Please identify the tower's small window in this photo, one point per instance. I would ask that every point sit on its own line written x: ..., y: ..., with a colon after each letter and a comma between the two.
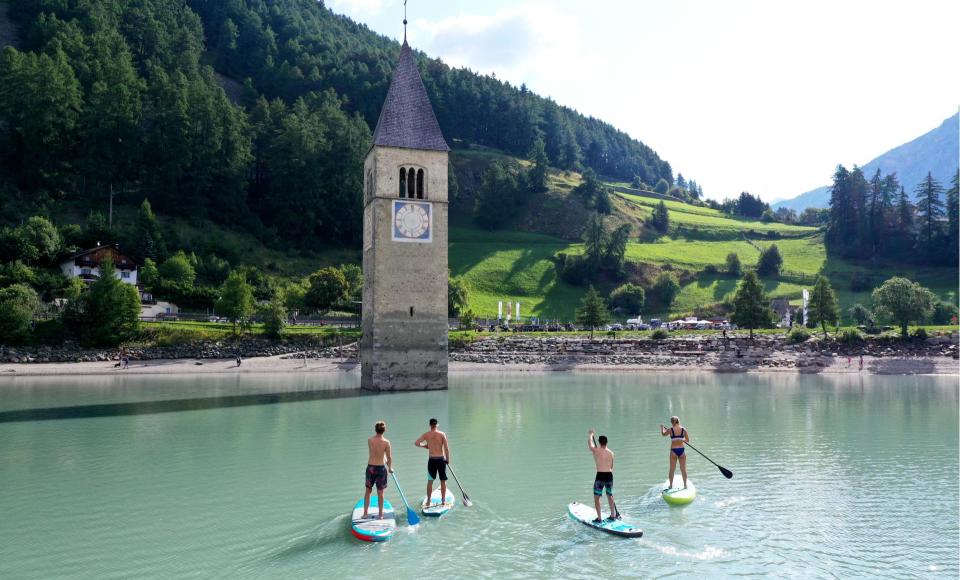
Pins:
x: 419, y: 184
x: 403, y: 182
x: 411, y: 311
x: 370, y: 182
x: 411, y: 183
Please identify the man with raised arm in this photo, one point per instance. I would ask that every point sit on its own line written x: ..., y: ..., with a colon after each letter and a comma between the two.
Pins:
x: 376, y: 472
x: 436, y: 444
x: 603, y: 457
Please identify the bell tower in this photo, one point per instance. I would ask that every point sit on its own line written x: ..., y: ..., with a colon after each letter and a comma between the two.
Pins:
x: 404, y: 342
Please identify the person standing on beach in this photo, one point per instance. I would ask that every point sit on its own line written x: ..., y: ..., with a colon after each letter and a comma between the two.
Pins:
x: 603, y: 457
x: 436, y: 444
x: 379, y: 461
x: 678, y: 436
x: 861, y: 361
x: 239, y: 360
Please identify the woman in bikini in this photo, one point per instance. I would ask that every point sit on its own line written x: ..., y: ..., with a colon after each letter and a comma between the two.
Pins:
x: 678, y: 436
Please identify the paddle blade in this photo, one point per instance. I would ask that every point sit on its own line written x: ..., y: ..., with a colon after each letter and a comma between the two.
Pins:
x: 726, y: 472
x: 467, y: 502
x: 412, y: 518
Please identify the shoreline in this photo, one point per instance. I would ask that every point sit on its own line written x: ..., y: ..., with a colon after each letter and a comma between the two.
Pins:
x: 282, y: 364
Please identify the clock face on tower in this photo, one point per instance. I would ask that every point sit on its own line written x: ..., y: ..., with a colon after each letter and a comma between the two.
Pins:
x: 412, y: 221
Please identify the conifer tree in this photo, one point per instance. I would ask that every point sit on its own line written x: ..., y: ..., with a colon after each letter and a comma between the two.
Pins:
x: 929, y: 214
x: 750, y: 305
x: 823, y: 307
x: 593, y: 311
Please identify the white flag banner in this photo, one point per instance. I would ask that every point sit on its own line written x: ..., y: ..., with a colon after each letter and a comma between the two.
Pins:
x: 500, y: 310
x: 518, y: 312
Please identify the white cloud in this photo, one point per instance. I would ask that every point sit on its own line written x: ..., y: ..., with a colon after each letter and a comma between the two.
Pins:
x: 524, y: 43
x: 359, y: 8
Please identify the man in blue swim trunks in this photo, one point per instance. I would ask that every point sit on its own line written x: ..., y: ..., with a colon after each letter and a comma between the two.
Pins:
x: 376, y: 472
x: 603, y: 457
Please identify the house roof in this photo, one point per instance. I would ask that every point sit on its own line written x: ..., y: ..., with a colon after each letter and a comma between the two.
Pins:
x: 407, y: 119
x: 113, y: 249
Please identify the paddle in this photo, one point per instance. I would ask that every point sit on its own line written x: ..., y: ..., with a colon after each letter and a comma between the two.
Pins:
x: 616, y: 510
x: 412, y: 517
x: 466, y: 498
x: 726, y: 472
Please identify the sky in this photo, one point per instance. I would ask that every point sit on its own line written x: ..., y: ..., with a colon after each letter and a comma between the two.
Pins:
x: 740, y: 95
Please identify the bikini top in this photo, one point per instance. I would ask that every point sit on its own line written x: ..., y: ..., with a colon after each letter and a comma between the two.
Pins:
x: 680, y: 436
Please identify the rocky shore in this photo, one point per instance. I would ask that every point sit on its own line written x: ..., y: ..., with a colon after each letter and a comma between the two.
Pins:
x: 934, y: 355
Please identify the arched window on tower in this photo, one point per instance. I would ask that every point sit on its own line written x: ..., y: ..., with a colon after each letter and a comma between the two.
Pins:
x: 370, y: 182
x: 419, y: 184
x: 411, y: 183
x: 403, y: 182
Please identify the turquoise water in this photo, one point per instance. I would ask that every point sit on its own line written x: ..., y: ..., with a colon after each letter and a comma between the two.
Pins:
x: 254, y: 476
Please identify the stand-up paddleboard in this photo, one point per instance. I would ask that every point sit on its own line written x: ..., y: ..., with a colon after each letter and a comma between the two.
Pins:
x: 436, y: 507
x: 372, y: 529
x: 586, y: 514
x: 676, y: 494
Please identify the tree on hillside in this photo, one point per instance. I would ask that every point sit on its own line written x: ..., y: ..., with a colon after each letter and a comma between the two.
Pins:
x: 628, y: 298
x: 903, y: 302
x: 595, y: 241
x: 929, y: 213
x: 149, y: 241
x: 905, y: 223
x: 353, y: 274
x: 665, y: 288
x: 615, y: 250
x: 18, y: 303
x: 458, y: 296
x: 770, y: 262
x: 178, y: 269
x: 823, y: 307
x: 593, y: 311
x: 589, y: 188
x: 497, y: 187
x: 148, y: 275
x: 660, y: 219
x: 236, y: 300
x: 35, y: 241
x: 953, y: 216
x: 733, y: 266
x: 111, y: 310
x: 681, y: 182
x: 751, y: 309
x: 327, y: 288
x: 537, y: 176
x: 662, y: 186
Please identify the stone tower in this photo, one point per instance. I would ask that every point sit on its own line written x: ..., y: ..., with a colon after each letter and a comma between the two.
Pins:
x: 404, y: 342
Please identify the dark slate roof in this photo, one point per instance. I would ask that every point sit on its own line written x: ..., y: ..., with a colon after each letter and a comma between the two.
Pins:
x: 407, y: 119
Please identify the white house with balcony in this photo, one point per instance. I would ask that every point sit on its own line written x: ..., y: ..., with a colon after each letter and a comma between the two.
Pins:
x: 86, y: 265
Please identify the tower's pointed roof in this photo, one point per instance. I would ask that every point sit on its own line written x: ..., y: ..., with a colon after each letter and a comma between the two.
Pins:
x: 407, y: 119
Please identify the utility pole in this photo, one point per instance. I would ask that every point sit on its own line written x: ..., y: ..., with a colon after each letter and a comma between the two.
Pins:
x: 110, y: 222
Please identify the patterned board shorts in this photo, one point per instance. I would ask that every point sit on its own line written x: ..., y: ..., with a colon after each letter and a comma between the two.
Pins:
x: 603, y: 481
x: 376, y: 474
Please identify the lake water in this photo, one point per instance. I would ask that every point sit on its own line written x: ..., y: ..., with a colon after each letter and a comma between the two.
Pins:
x: 253, y: 476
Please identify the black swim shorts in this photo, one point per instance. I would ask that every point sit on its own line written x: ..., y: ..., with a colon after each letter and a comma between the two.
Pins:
x: 376, y: 475
x: 437, y: 465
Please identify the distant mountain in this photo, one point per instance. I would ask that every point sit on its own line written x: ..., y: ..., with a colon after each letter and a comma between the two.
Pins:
x: 936, y: 152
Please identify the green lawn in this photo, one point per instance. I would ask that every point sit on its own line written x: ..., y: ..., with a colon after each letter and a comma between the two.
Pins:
x: 512, y: 266
x: 708, y: 219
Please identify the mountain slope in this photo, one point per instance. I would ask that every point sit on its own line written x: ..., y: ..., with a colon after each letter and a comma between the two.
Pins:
x: 936, y: 152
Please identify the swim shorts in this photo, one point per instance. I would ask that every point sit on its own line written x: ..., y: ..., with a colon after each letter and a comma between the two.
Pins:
x: 376, y: 474
x: 437, y: 465
x: 603, y: 481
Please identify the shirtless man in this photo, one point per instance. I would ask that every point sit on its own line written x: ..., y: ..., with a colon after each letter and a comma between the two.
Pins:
x: 435, y: 442
x: 604, y: 480
x: 376, y: 472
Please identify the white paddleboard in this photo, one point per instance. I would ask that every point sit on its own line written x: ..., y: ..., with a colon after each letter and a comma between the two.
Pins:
x: 676, y: 494
x: 586, y: 514
x: 372, y: 529
x: 436, y: 507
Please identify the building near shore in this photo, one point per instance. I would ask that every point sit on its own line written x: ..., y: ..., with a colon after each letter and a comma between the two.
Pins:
x: 404, y: 340
x: 86, y: 264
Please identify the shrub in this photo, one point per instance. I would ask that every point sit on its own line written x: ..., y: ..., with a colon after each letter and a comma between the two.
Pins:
x: 850, y: 336
x: 733, y: 264
x: 943, y: 312
x: 659, y: 334
x: 711, y: 269
x: 770, y: 261
x: 274, y: 318
x: 665, y: 289
x: 628, y: 297
x: 860, y: 314
x: 798, y: 335
x: 919, y: 334
x: 18, y: 303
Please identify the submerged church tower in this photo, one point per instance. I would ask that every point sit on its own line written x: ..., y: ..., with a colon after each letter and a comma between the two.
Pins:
x: 404, y: 342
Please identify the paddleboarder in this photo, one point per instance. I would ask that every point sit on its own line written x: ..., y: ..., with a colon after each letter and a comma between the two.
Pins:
x: 678, y: 436
x: 376, y: 472
x: 436, y: 443
x: 603, y: 457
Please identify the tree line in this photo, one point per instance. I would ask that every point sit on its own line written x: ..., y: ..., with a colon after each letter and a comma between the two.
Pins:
x: 114, y: 98
x: 877, y: 218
